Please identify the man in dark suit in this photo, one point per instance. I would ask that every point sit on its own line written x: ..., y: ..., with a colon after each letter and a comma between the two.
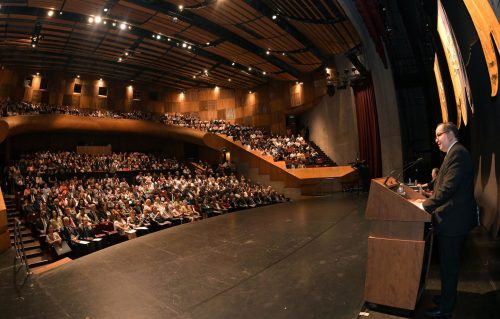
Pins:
x: 455, y: 213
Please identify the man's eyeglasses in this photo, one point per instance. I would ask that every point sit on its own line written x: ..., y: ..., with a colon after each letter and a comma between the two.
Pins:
x: 439, y: 134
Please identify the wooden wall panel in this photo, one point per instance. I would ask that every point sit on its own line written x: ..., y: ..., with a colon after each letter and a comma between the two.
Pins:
x: 266, y: 106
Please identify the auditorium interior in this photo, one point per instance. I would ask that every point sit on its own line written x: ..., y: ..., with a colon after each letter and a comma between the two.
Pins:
x: 236, y: 158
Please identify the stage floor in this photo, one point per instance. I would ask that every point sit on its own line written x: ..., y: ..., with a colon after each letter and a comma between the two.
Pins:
x: 302, y: 259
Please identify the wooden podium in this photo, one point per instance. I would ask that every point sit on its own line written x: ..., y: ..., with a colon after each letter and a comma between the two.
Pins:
x: 399, y: 246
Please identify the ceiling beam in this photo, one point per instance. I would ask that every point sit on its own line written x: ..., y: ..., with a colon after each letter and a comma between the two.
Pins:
x: 288, y: 27
x: 193, y: 19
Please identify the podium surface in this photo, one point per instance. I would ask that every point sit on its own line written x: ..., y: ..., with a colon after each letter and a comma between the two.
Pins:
x: 399, y: 244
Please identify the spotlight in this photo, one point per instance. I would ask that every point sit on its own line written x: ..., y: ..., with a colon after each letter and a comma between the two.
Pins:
x: 264, y: 73
x: 158, y: 37
x: 78, y: 76
x: 181, y: 7
x: 275, y: 17
x: 120, y: 59
x: 106, y: 9
x: 184, y: 45
x: 123, y: 26
x: 98, y: 19
x: 50, y: 13
x: 60, y: 13
x: 229, y: 80
x: 268, y: 52
x: 114, y: 24
x: 233, y: 64
x: 249, y: 69
x: 91, y: 20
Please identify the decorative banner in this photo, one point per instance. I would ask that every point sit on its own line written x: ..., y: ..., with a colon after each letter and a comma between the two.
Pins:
x: 455, y: 65
x: 440, y: 86
x: 487, y: 27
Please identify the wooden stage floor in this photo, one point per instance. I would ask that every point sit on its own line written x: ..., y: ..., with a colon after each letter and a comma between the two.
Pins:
x: 303, y: 259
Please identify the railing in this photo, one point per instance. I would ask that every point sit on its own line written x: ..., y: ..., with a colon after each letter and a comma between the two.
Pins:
x: 20, y: 260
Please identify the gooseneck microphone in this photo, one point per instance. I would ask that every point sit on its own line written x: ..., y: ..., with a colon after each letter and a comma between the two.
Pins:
x: 402, y: 170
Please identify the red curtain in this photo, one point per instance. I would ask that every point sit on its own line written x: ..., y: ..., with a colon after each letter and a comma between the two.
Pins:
x: 369, y: 137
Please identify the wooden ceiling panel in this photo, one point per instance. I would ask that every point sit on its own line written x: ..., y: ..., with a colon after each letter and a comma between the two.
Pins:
x: 47, y: 4
x: 131, y: 12
x: 88, y: 7
x: 238, y: 30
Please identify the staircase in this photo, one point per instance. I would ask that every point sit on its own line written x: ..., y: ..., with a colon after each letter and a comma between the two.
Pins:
x: 325, y: 160
x: 264, y: 179
x: 34, y: 253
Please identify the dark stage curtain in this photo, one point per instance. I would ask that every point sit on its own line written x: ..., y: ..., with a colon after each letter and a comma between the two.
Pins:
x: 366, y: 114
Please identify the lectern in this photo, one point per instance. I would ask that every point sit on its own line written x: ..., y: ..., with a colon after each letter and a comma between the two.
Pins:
x: 399, y: 245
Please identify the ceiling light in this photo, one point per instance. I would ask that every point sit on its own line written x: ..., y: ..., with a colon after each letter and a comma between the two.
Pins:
x: 78, y: 76
x: 100, y: 79
x: 267, y: 52
x: 50, y: 13
x: 158, y: 37
x: 126, y: 53
x: 130, y: 27
x: 233, y: 64
x: 189, y: 47
x: 283, y: 54
x: 91, y: 20
x: 60, y: 13
x: 229, y: 80
x: 120, y: 59
x: 264, y: 72
x: 184, y: 45
x: 37, y: 73
x: 105, y: 9
x: 181, y: 7
x: 168, y: 39
x: 194, y: 76
x: 208, y: 43
x: 33, y: 45
x: 114, y: 24
x: 249, y: 69
x: 275, y: 16
x: 250, y: 92
x: 123, y: 26
x: 98, y: 19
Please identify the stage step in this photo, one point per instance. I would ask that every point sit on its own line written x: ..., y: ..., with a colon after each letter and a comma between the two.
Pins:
x: 37, y: 261
x: 31, y: 245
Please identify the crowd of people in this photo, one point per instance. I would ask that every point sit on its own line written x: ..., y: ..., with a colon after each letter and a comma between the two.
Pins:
x: 74, y: 211
x: 63, y: 162
x: 294, y: 150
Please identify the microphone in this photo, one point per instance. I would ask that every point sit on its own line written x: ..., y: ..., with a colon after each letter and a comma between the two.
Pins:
x: 404, y: 169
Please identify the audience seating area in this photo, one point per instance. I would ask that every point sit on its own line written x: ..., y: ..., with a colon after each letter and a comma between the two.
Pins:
x: 78, y: 214
x: 294, y: 150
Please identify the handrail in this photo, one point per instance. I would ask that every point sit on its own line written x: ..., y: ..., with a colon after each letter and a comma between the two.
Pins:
x: 20, y: 255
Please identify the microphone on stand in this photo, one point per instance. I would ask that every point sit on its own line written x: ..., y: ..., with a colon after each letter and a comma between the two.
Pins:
x: 402, y: 170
